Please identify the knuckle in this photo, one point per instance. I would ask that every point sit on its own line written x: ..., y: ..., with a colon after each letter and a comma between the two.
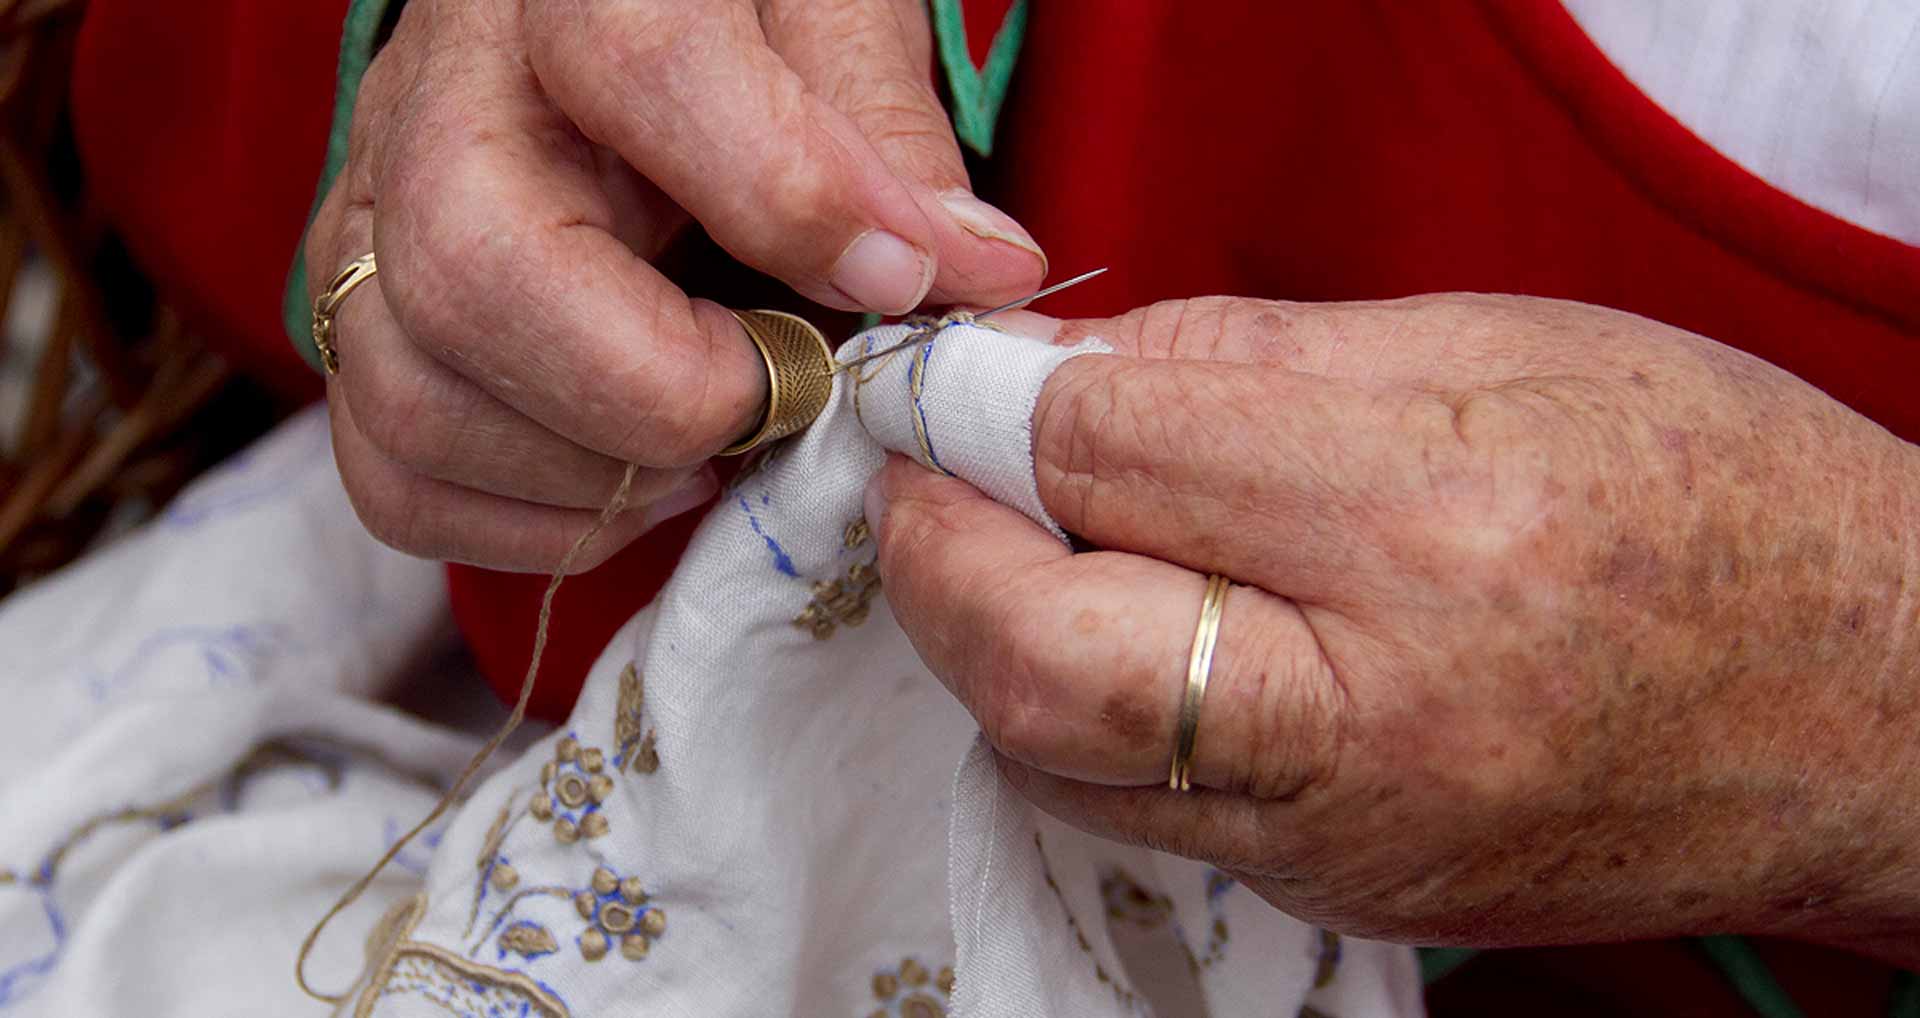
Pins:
x: 1014, y: 726
x: 1021, y: 700
x: 670, y: 405
x: 789, y: 189
x: 443, y: 270
x: 388, y: 411
x: 389, y: 512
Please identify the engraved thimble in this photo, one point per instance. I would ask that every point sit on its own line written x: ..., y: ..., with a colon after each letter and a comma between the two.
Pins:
x: 799, y: 375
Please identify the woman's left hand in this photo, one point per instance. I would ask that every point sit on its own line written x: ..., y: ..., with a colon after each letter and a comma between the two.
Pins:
x: 1550, y: 623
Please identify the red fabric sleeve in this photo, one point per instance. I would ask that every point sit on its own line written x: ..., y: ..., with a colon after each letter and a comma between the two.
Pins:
x: 202, y: 127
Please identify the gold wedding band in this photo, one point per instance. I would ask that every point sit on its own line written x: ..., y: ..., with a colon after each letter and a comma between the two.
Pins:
x: 328, y: 303
x: 799, y: 375
x: 1199, y: 667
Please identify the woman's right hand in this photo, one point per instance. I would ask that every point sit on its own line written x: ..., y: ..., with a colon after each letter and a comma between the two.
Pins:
x: 515, y: 166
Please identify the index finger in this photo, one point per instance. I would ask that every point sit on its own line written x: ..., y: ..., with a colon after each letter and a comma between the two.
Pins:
x: 1270, y: 476
x: 494, y: 234
x: 692, y: 96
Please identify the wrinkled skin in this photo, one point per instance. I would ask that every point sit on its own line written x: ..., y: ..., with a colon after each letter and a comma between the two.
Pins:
x: 1551, y: 623
x: 515, y: 166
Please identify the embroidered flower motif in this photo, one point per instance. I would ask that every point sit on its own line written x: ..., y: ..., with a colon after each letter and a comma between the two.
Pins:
x: 617, y: 911
x: 573, y: 785
x: 840, y: 602
x: 911, y: 991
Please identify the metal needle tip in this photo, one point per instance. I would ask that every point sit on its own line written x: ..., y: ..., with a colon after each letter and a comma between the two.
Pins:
x: 914, y: 337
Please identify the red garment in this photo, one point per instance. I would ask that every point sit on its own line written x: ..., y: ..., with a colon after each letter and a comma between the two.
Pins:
x: 202, y: 127
x: 1309, y: 151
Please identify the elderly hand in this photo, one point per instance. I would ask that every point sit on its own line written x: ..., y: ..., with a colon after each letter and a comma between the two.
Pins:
x: 515, y: 165
x: 1550, y: 623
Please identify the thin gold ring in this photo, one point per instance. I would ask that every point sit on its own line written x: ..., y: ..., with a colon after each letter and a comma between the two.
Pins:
x: 799, y: 375
x: 1199, y: 668
x: 328, y: 304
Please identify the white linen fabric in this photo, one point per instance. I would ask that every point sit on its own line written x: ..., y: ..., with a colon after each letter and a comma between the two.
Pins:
x: 1820, y: 98
x: 754, y: 808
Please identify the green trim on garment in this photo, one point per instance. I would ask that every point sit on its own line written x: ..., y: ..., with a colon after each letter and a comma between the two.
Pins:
x: 358, y: 39
x: 1904, y: 1001
x: 1437, y: 962
x: 977, y: 94
x: 1749, y: 976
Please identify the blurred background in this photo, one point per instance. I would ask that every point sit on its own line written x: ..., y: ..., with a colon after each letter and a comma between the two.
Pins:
x: 115, y: 391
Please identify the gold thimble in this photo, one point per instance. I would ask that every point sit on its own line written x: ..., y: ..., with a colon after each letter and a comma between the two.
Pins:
x: 799, y: 375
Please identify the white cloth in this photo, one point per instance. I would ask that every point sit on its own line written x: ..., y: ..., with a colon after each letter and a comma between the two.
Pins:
x: 227, y: 654
x: 1820, y: 98
x: 754, y: 808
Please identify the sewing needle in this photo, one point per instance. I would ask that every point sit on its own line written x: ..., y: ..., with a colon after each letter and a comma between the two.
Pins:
x: 916, y: 335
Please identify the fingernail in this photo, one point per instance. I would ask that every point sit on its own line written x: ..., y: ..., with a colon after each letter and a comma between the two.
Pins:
x: 1031, y: 324
x: 874, y: 505
x: 698, y: 491
x: 881, y: 272
x: 983, y: 220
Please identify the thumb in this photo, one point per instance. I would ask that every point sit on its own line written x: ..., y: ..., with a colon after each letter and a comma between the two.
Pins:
x: 872, y: 60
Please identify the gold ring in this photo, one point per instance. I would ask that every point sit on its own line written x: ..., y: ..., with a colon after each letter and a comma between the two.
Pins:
x: 1199, y: 667
x: 328, y: 303
x: 799, y: 375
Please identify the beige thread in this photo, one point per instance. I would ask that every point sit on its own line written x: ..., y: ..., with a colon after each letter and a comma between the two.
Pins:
x: 614, y: 507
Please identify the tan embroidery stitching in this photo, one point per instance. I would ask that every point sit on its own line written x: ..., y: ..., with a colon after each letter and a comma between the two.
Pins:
x: 617, y: 909
x: 1128, y: 901
x: 1328, y: 959
x: 1126, y: 996
x: 580, y: 783
x: 469, y: 986
x: 398, y: 965
x: 528, y: 939
x: 635, y: 750
x: 912, y: 992
x: 845, y: 601
x: 492, y: 871
x: 507, y: 907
